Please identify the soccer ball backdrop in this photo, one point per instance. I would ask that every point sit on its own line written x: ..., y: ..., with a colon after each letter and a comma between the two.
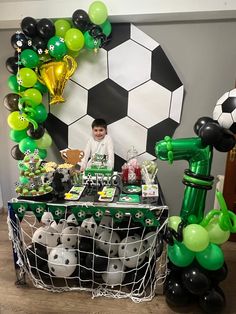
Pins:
x: 132, y: 85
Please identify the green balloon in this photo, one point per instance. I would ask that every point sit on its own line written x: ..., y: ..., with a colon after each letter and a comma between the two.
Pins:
x: 42, y: 153
x: 29, y: 58
x: 17, y: 121
x: 34, y: 95
x: 17, y: 136
x: 216, y: 234
x: 212, y: 258
x: 62, y: 26
x: 44, y: 142
x: 179, y: 255
x: 13, y: 85
x: 106, y: 28
x: 57, y: 47
x: 42, y: 88
x: 90, y: 42
x: 23, y: 180
x: 74, y: 39
x: 196, y: 238
x: 173, y: 222
x: 26, y: 77
x: 21, y: 165
x: 40, y: 113
x: 97, y: 12
x: 27, y: 144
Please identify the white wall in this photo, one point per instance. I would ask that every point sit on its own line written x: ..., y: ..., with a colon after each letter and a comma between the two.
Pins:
x: 204, y: 56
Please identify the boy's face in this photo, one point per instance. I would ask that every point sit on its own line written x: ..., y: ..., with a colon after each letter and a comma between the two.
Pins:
x: 99, y: 133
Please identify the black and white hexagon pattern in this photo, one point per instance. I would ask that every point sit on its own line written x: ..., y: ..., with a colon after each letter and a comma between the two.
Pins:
x: 225, y: 111
x: 131, y: 84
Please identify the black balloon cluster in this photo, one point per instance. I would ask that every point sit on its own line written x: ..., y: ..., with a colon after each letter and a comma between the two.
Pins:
x: 185, y: 286
x: 213, y: 134
x: 81, y: 20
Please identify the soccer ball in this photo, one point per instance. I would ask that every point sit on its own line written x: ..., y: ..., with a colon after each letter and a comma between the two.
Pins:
x: 132, y: 85
x: 225, y: 111
x: 62, y: 261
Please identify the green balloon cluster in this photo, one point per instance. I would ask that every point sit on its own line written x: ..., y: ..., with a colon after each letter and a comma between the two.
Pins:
x: 40, y: 46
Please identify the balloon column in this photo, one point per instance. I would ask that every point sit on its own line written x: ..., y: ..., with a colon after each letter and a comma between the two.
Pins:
x: 43, y: 61
x: 196, y: 261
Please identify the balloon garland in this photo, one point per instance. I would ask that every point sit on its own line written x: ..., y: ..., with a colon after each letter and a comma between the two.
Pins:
x: 44, y: 60
x: 196, y: 261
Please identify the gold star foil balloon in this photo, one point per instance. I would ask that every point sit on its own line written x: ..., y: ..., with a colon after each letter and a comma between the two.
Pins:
x: 55, y: 74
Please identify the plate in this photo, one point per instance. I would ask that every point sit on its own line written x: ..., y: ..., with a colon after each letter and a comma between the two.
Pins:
x: 132, y: 189
x: 33, y: 196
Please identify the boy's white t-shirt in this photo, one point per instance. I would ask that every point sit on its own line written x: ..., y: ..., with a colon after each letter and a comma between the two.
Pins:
x: 103, y: 147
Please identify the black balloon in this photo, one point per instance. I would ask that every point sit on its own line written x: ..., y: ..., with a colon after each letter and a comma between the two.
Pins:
x: 97, y: 261
x: 200, y: 122
x: 175, y: 293
x: 218, y: 275
x: 12, y: 65
x: 37, y: 254
x: 81, y: 20
x: 159, y: 245
x: 211, y: 133
x: 195, y: 281
x: 10, y: 102
x: 37, y: 260
x: 226, y: 143
x: 28, y: 26
x: 36, y: 134
x: 39, y: 44
x: 19, y: 40
x: 16, y: 153
x: 45, y: 28
x: 213, y: 301
x: 95, y: 30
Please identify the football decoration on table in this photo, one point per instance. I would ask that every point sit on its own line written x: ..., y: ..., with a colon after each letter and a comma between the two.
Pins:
x: 131, y: 84
x: 30, y: 180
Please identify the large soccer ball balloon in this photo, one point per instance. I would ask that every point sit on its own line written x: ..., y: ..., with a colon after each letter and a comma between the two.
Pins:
x: 225, y: 111
x: 132, y: 251
x: 115, y: 273
x: 62, y: 261
x: 46, y: 236
x: 69, y: 236
x: 108, y: 241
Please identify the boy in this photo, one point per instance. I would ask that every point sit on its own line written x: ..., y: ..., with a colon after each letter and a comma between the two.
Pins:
x: 99, y: 145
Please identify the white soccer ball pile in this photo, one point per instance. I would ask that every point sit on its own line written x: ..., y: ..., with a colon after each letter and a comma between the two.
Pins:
x: 64, y: 239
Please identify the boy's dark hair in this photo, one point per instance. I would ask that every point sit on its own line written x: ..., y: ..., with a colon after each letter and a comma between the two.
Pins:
x: 99, y: 122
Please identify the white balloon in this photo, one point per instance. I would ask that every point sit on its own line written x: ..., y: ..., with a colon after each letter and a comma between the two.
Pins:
x: 106, y: 221
x: 90, y: 225
x: 69, y: 236
x: 115, y: 273
x: 62, y: 261
x: 108, y: 241
x: 132, y: 251
x: 46, y: 236
x: 47, y: 218
x: 72, y: 220
x: 60, y: 226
